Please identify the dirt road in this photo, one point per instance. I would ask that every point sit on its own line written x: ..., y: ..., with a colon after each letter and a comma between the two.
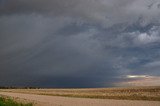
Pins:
x: 43, y: 100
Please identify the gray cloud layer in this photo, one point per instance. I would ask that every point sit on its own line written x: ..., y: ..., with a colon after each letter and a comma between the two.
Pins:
x: 107, y: 12
x: 77, y: 43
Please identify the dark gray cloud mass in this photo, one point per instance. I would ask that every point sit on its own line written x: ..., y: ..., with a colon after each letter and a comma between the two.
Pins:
x: 78, y: 43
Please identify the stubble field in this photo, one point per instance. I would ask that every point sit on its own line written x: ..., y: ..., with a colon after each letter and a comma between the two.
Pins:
x: 134, y: 93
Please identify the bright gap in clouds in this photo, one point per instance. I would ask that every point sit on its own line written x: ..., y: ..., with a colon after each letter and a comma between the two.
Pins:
x: 140, y: 80
x: 137, y: 76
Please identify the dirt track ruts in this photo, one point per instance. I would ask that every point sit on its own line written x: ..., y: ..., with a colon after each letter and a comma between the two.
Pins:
x: 43, y: 100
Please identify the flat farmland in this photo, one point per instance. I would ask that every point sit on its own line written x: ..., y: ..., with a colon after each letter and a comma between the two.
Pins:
x: 131, y: 93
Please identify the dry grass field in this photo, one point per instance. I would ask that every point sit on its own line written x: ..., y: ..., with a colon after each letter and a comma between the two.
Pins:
x: 134, y: 93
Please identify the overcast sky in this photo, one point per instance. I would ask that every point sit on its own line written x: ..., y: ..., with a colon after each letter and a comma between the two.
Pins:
x: 79, y: 43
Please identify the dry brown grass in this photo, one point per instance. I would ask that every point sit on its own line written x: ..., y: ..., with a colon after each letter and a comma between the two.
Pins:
x: 134, y: 93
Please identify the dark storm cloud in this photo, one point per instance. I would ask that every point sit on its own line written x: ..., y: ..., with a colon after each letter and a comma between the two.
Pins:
x: 106, y: 12
x: 77, y: 43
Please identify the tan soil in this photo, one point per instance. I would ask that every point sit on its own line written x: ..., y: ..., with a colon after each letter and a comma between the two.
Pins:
x: 42, y: 100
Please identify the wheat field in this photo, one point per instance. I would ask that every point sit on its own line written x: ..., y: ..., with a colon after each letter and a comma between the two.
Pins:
x: 131, y: 93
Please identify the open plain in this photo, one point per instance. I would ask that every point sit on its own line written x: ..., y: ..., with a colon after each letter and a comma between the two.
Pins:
x: 137, y: 96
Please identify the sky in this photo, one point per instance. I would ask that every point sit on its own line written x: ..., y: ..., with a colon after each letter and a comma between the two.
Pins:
x: 79, y: 43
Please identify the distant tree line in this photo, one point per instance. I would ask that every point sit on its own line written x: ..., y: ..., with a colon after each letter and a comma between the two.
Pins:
x: 11, y: 87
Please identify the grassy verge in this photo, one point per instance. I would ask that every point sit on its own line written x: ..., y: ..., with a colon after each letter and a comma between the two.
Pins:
x: 11, y: 102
